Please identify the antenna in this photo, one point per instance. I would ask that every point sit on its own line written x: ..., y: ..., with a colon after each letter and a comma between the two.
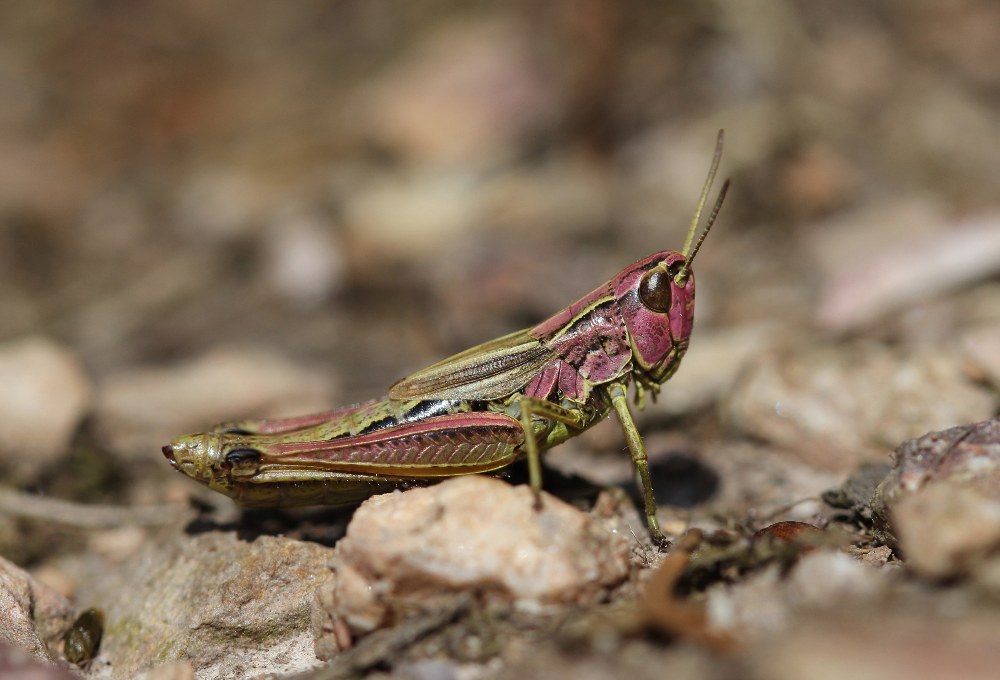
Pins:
x: 682, y: 273
x: 704, y: 192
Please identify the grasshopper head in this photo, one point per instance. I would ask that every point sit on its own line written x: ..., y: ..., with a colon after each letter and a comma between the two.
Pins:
x: 214, y: 459
x: 656, y: 295
x: 194, y: 455
x: 656, y: 301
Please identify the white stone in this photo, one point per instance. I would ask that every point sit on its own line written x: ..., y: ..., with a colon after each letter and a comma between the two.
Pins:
x: 44, y: 393
x: 470, y: 534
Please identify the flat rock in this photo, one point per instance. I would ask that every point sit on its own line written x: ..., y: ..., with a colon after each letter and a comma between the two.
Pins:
x: 139, y: 410
x: 403, y: 551
x: 228, y: 607
x: 838, y: 405
x: 32, y: 616
x: 44, y: 393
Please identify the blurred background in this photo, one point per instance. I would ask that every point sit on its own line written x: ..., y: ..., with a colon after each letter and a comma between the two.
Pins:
x: 211, y: 210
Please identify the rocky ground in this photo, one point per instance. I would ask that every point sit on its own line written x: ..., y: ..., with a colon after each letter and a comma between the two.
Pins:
x: 212, y: 211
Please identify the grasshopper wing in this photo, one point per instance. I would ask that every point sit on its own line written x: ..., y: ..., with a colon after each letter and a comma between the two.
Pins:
x: 491, y: 370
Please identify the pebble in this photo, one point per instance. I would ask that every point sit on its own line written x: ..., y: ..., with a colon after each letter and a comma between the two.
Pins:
x: 946, y: 529
x: 44, y: 394
x: 303, y: 260
x: 941, y: 502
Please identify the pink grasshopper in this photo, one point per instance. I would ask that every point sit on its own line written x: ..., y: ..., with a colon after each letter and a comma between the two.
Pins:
x: 481, y: 409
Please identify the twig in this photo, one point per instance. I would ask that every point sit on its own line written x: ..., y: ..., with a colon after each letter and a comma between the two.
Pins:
x: 84, y: 516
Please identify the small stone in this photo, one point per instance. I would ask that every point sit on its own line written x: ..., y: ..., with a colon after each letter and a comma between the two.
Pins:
x: 32, y: 615
x: 302, y: 259
x: 877, y: 557
x: 941, y: 502
x: 402, y: 551
x: 44, y: 393
x: 946, y: 528
x: 141, y: 409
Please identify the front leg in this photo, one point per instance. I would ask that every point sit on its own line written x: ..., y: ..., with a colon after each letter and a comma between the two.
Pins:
x: 638, y: 451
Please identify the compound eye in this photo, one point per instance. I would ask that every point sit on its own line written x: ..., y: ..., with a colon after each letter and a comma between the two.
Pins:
x: 654, y: 290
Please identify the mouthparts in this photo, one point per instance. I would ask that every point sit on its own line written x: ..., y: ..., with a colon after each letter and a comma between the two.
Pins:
x: 168, y: 452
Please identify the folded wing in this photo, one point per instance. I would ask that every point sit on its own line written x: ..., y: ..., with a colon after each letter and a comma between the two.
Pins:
x: 492, y: 370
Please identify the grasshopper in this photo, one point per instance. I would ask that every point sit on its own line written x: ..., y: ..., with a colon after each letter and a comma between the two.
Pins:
x: 481, y: 409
